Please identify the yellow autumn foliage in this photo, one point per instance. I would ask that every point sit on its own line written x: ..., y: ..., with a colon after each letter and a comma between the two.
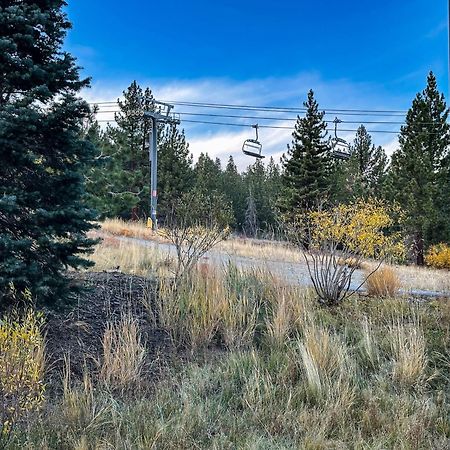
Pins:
x: 359, y: 228
x: 438, y: 256
x: 21, y: 368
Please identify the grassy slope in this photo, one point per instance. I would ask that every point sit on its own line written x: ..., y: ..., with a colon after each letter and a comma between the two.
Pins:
x: 267, y: 369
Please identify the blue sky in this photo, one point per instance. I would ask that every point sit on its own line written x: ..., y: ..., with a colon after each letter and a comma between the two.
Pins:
x: 354, y: 54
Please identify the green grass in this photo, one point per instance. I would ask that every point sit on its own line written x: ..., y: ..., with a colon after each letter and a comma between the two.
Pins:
x: 268, y: 369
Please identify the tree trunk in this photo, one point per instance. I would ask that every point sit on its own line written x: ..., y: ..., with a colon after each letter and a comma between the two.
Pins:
x: 419, y: 247
x: 135, y: 214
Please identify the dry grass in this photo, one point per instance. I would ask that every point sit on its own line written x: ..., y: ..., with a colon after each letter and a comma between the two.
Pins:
x: 408, y: 349
x: 415, y: 277
x: 383, y: 283
x: 114, y: 254
x: 119, y: 227
x: 245, y: 247
x: 411, y: 277
x: 123, y: 355
x: 289, y: 374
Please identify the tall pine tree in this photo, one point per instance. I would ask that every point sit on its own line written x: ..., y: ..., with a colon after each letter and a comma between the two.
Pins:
x: 207, y: 174
x: 419, y: 167
x: 43, y: 221
x: 306, y: 167
x: 121, y: 186
x: 175, y: 173
x: 364, y: 174
x: 232, y: 187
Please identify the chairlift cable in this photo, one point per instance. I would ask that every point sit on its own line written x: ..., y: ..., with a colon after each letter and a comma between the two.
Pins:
x: 243, y: 125
x: 276, y: 108
x: 233, y: 116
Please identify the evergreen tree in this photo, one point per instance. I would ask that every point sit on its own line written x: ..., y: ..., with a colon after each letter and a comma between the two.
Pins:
x: 232, y: 187
x: 364, y: 174
x: 306, y: 167
x: 367, y: 166
x: 272, y: 193
x: 128, y: 183
x: 96, y: 174
x: 255, y: 182
x: 121, y: 186
x: 43, y: 221
x: 207, y: 174
x: 251, y: 216
x: 419, y: 168
x: 175, y: 173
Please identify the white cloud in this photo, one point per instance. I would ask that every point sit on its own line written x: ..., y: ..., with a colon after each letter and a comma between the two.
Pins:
x: 221, y: 141
x: 391, y: 146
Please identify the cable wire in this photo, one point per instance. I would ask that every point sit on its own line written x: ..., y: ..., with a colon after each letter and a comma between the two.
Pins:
x: 351, y: 112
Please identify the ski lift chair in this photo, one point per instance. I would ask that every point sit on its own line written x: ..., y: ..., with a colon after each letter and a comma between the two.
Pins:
x: 340, y: 148
x: 252, y: 147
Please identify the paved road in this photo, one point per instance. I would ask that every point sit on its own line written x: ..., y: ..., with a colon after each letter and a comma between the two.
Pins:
x: 292, y: 272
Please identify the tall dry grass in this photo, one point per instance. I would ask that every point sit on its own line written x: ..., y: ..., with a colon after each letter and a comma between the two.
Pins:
x: 408, y: 350
x: 245, y: 247
x: 295, y: 376
x: 123, y: 355
x: 113, y: 254
x: 288, y: 374
x: 382, y: 283
x: 411, y: 277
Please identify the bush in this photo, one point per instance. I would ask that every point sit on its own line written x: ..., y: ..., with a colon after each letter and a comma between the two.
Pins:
x: 438, y: 256
x: 334, y: 243
x: 383, y: 283
x: 195, y: 225
x: 21, y: 369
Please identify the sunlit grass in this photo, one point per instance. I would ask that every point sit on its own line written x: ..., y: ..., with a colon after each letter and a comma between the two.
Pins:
x: 259, y: 364
x: 410, y: 277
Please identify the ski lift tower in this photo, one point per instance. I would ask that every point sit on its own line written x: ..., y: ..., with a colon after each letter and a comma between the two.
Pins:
x: 160, y: 114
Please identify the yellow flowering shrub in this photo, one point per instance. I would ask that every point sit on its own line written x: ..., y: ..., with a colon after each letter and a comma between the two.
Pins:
x: 438, y: 256
x: 21, y: 368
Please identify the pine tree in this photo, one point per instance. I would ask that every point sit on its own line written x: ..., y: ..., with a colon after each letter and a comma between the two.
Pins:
x: 272, y: 193
x: 232, y: 187
x: 251, y: 216
x: 207, y: 174
x: 175, y: 173
x: 43, y: 221
x: 306, y: 167
x: 418, y: 168
x: 128, y: 171
x: 256, y: 183
x: 364, y: 174
x: 367, y: 165
x: 121, y: 186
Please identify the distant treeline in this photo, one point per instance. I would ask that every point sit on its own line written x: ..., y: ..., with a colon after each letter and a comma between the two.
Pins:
x: 417, y: 176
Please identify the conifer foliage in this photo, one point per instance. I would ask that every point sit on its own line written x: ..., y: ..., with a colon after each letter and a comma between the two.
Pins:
x: 307, y: 163
x: 43, y: 222
x: 419, y: 169
x: 120, y: 187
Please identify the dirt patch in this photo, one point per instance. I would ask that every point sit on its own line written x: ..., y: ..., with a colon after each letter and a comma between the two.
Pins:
x: 78, y: 331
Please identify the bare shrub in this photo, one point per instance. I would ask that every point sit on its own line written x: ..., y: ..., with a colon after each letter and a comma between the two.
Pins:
x: 196, y: 223
x: 382, y: 283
